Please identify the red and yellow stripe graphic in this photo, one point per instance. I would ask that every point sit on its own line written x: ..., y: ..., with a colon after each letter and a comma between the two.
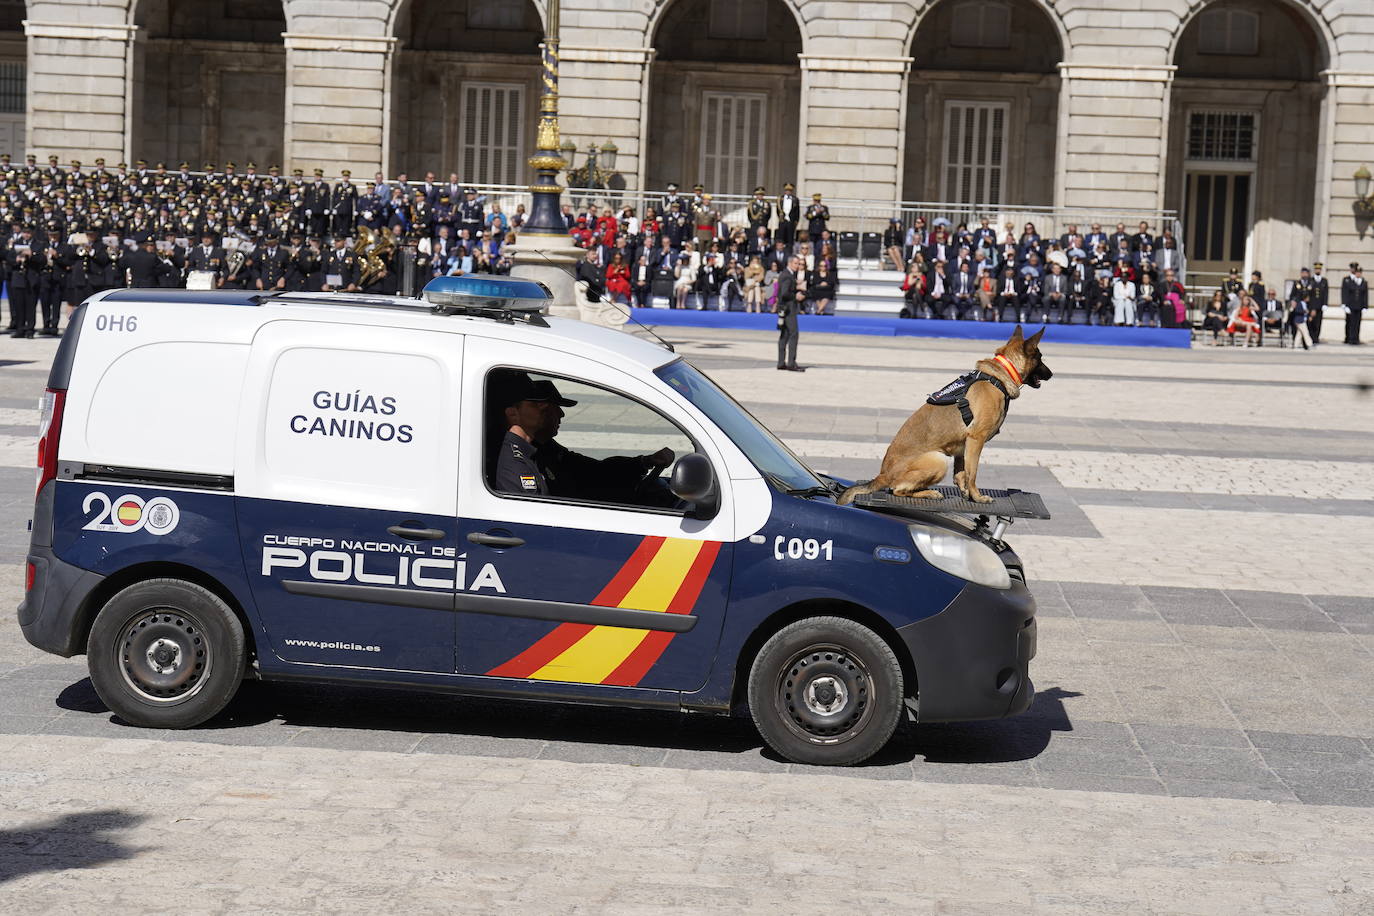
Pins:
x: 663, y: 574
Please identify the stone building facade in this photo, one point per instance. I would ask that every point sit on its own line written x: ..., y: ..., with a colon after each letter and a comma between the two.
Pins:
x: 1248, y: 117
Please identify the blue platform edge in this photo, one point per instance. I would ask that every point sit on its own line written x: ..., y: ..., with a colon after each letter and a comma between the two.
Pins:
x: 919, y: 327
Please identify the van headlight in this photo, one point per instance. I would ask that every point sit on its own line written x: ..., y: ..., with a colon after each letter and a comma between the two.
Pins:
x: 958, y: 555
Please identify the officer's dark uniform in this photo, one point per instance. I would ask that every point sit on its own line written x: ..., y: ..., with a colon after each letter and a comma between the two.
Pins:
x: 516, y: 468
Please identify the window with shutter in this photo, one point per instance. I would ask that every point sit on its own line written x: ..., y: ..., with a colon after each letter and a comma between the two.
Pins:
x: 975, y: 152
x: 732, y: 141
x: 1234, y: 32
x: 981, y: 24
x: 490, y: 132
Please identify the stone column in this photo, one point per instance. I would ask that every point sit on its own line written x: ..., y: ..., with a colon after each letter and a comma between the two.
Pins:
x: 604, y: 96
x: 1344, y: 233
x: 853, y: 116
x: 337, y: 102
x: 1113, y: 136
x: 80, y: 94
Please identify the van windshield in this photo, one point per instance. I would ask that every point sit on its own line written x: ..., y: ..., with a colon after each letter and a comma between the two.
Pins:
x: 774, y: 460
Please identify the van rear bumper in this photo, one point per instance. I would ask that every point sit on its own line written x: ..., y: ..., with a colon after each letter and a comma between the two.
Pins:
x: 973, y: 658
x: 51, y: 613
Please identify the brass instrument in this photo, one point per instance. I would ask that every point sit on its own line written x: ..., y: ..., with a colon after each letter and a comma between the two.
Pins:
x: 235, y: 261
x: 374, y: 249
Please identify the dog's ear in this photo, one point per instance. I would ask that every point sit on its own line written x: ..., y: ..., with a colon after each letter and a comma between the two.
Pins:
x: 1035, y: 338
x: 1015, y: 335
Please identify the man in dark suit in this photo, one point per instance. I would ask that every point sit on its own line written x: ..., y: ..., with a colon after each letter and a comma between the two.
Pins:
x: 962, y: 289
x: 22, y: 265
x: 642, y: 280
x: 938, y: 295
x: 1057, y: 292
x: 790, y: 299
x: 1354, y: 300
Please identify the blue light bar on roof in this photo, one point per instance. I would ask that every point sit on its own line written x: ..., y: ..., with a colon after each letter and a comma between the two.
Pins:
x: 509, y: 294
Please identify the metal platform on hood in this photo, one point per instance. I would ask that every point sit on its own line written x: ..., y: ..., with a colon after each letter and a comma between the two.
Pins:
x: 1005, y: 503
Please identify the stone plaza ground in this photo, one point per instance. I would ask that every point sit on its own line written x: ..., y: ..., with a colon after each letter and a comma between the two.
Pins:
x: 1202, y: 741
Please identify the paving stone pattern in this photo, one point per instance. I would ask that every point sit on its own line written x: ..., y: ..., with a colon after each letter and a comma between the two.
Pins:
x: 1201, y: 740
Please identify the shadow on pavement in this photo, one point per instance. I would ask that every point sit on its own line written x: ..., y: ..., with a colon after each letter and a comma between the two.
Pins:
x: 71, y: 841
x: 347, y: 708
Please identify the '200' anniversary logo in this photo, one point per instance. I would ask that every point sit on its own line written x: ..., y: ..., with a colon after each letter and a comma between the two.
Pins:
x: 130, y: 513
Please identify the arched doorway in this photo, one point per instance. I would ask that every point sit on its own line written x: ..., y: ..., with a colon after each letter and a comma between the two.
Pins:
x: 465, y: 89
x: 983, y: 105
x: 210, y: 82
x: 725, y: 96
x: 1244, y: 118
x: 13, y: 78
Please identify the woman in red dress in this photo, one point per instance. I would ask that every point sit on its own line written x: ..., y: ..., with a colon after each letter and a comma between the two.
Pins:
x: 618, y: 279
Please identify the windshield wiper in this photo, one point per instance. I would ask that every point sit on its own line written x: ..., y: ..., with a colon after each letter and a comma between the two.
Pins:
x: 811, y: 491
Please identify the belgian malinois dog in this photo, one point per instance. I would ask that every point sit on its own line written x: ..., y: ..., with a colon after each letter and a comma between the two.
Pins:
x: 958, y: 420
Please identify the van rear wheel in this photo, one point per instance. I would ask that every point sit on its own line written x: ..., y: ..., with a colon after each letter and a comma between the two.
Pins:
x: 166, y: 653
x: 826, y: 690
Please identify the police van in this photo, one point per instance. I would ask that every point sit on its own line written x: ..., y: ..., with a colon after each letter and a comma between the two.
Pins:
x: 309, y: 487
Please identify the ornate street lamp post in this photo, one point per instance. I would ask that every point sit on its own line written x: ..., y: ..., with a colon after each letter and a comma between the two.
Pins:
x: 544, y: 219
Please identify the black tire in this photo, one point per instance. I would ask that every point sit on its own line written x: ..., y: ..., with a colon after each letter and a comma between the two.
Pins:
x: 166, y: 653
x: 826, y: 691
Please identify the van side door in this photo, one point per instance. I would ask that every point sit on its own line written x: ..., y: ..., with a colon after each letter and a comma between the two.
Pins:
x: 612, y: 584
x: 346, y: 507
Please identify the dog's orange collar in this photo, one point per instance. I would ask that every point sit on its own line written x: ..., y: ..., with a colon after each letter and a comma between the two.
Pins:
x: 1006, y: 364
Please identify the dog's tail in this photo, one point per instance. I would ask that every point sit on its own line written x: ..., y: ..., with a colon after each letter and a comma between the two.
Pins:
x: 859, y: 489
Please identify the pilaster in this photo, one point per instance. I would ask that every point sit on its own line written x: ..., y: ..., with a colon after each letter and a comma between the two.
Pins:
x: 338, y: 101
x: 79, y: 89
x: 853, y: 114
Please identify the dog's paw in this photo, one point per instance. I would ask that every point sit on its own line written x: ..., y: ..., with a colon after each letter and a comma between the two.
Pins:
x: 980, y: 498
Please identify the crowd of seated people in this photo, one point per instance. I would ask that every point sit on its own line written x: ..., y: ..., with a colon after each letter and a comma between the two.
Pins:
x: 1123, y: 278
x: 681, y: 253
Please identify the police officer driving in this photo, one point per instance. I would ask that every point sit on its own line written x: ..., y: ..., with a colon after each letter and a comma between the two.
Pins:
x: 530, y: 461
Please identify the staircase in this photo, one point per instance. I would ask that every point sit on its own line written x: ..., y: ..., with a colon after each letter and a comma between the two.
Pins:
x: 868, y: 290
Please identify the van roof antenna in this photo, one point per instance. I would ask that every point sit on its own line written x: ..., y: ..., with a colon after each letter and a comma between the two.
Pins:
x: 600, y: 297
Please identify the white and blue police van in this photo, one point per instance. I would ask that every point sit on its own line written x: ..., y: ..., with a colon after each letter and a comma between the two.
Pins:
x: 310, y: 487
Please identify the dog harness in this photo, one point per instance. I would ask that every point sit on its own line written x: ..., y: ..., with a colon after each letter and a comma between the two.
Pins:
x: 956, y: 393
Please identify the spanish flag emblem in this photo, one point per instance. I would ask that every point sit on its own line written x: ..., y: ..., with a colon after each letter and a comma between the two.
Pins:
x: 129, y: 513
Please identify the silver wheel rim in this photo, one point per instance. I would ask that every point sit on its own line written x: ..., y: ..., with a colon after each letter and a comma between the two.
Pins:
x: 825, y: 694
x: 164, y: 656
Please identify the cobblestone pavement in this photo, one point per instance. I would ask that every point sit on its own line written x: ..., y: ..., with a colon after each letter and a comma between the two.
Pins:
x: 1201, y: 742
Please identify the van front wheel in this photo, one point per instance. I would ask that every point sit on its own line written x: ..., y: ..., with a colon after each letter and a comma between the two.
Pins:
x: 165, y: 653
x: 826, y: 690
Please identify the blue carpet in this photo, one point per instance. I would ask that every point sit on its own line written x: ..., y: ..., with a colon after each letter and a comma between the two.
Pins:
x: 920, y: 327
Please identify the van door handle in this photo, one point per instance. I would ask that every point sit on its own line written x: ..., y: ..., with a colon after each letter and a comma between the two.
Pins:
x: 494, y: 540
x: 416, y: 534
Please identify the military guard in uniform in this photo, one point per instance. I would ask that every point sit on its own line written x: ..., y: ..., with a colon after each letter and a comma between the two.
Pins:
x: 789, y: 211
x: 1321, y: 295
x: 341, y: 268
x: 817, y: 215
x: 1232, y: 286
x: 760, y: 212
x: 342, y: 199
x: 272, y: 262
x: 317, y: 196
x: 706, y: 219
x: 1354, y: 300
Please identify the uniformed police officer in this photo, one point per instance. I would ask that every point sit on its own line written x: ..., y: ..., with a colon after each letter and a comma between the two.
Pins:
x: 530, y: 461
x: 272, y: 262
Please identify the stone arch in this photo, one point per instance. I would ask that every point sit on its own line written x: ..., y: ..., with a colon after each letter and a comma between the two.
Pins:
x: 209, y: 82
x: 724, y: 111
x: 1243, y: 141
x: 655, y: 10
x: 991, y: 140
x: 1048, y: 8
x: 1305, y: 12
x: 464, y: 97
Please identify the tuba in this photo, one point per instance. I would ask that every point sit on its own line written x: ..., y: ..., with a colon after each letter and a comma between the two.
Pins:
x: 374, y: 249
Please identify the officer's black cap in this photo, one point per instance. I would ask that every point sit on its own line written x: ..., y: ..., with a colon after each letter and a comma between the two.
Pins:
x: 510, y: 387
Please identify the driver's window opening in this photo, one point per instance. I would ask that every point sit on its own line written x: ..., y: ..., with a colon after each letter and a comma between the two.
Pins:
x: 553, y: 437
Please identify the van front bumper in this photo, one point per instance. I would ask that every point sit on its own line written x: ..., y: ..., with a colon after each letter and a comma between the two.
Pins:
x: 50, y: 615
x: 973, y: 658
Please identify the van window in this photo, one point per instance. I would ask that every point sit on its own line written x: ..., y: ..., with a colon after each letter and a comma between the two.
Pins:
x: 605, y: 448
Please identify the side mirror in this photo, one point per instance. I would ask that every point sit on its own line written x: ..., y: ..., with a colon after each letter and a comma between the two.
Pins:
x: 694, y: 481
